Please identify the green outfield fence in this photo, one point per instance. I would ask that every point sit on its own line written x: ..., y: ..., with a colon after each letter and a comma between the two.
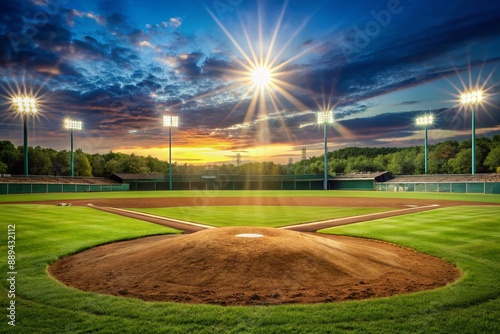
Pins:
x: 229, y: 183
x: 441, y: 187
x: 39, y: 188
x: 250, y: 182
x: 245, y: 182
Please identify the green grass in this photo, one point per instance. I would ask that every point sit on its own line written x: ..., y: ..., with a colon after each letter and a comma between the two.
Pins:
x: 262, y: 216
x: 466, y: 236
x: 486, y: 198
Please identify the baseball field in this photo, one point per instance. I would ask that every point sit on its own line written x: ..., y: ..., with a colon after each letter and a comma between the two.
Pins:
x: 250, y: 262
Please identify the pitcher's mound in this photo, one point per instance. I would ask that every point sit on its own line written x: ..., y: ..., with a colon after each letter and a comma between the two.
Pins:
x: 246, y: 266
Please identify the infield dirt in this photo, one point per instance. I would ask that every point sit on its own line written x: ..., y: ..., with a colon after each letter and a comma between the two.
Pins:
x: 216, y: 266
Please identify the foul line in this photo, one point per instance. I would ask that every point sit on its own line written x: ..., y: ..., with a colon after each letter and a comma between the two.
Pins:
x: 163, y: 218
x: 361, y: 217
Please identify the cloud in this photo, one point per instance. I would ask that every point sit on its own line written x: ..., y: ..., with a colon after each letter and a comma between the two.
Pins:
x: 146, y: 44
x: 390, y: 62
x: 406, y: 103
x: 175, y: 22
x: 184, y: 64
x: 216, y: 67
x: 99, y: 65
x: 72, y: 14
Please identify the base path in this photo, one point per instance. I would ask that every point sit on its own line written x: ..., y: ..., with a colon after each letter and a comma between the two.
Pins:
x: 315, y: 226
x: 401, y: 205
x: 186, y: 227
x: 190, y: 227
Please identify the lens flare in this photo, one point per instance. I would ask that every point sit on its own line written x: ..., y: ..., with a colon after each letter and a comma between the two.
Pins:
x: 264, y: 76
x: 261, y: 76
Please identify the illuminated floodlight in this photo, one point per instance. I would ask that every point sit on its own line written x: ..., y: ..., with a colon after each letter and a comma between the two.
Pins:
x: 72, y: 125
x: 425, y: 120
x: 472, y: 97
x: 26, y: 106
x: 325, y: 117
x: 171, y: 121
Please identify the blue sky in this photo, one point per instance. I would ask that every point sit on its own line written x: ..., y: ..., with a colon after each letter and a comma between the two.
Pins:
x: 120, y: 66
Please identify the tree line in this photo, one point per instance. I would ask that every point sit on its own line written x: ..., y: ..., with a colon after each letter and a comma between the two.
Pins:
x: 449, y: 157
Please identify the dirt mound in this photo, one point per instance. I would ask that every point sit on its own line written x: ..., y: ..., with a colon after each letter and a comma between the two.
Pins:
x: 247, y: 266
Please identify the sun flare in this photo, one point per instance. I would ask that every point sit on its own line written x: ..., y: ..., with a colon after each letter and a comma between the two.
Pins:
x: 261, y: 76
x: 265, y: 74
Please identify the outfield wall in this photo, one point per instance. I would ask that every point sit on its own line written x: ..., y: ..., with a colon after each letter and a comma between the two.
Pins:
x: 253, y: 184
x: 228, y: 185
x: 40, y: 188
x: 441, y: 187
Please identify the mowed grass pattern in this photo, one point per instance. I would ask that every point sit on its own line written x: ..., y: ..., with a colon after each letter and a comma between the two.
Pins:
x: 261, y: 216
x: 487, y: 198
x: 466, y: 236
x: 469, y: 237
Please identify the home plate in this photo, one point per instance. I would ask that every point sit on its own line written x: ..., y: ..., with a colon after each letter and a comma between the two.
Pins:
x: 249, y: 235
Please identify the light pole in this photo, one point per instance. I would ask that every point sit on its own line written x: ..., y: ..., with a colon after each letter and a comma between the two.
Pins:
x: 170, y: 121
x: 425, y: 121
x: 325, y: 118
x: 26, y: 106
x: 72, y: 125
x: 304, y: 159
x: 472, y: 98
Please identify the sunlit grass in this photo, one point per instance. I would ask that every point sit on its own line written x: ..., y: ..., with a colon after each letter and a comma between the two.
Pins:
x: 262, y: 216
x: 466, y: 236
x: 487, y: 198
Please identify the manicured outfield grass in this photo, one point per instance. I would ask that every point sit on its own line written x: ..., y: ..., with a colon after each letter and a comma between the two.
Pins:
x: 268, y: 216
x: 466, y: 236
x: 487, y: 198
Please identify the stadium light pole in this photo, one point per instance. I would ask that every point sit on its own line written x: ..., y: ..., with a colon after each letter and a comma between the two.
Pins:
x: 425, y: 121
x: 26, y: 106
x: 72, y: 125
x: 170, y: 121
x: 325, y: 118
x: 473, y: 98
